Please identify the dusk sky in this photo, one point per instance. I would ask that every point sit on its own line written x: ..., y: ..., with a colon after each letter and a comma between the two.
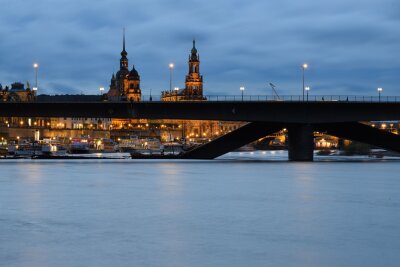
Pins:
x: 352, y: 47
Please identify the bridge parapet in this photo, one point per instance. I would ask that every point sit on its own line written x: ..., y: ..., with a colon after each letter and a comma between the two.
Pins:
x: 291, y: 98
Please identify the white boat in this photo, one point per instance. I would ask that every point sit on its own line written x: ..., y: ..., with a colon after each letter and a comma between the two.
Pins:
x: 140, y: 145
x: 28, y: 150
x: 37, y: 148
x: 53, y: 148
x: 128, y: 145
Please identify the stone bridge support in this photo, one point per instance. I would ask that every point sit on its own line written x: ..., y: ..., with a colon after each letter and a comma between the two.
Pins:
x: 301, y: 142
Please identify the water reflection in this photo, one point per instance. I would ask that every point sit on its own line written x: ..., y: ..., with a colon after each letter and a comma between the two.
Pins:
x: 171, y: 178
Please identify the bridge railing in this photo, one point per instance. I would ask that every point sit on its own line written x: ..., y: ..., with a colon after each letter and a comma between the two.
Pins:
x: 236, y: 98
x: 292, y: 98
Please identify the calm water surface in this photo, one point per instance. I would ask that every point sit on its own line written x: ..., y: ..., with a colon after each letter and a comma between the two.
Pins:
x: 227, y: 212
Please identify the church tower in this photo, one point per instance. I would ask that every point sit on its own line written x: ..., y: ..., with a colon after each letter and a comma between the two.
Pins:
x: 132, y: 86
x: 123, y: 72
x: 126, y: 84
x: 194, y: 81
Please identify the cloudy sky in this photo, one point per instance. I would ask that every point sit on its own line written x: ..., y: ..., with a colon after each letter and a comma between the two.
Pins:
x: 352, y: 47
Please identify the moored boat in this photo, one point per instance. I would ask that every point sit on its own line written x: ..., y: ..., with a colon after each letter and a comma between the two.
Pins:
x: 141, y: 146
x: 79, y: 146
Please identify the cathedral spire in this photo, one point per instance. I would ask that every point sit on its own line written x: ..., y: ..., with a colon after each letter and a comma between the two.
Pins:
x: 123, y: 46
x: 194, y: 50
x: 124, y: 60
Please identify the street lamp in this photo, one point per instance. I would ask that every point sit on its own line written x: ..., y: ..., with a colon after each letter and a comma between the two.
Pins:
x: 307, y: 88
x: 242, y: 90
x: 171, y: 67
x: 36, y: 67
x: 304, y: 67
x: 176, y: 93
x: 380, y: 89
x: 101, y: 90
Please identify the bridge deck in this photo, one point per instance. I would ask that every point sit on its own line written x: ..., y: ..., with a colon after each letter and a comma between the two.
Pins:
x: 278, y: 111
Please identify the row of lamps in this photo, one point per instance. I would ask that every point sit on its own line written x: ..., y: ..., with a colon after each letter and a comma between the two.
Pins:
x: 305, y: 89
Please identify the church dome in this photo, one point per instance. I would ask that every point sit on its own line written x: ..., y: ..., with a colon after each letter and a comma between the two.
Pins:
x: 133, y: 74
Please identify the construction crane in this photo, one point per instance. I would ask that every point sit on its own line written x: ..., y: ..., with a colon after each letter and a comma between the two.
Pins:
x: 274, y: 91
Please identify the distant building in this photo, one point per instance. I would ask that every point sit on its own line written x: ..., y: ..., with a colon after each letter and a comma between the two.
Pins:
x: 193, y: 90
x: 125, y: 85
x: 17, y: 93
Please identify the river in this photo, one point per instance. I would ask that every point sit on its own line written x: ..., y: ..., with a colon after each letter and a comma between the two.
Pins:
x: 243, y: 209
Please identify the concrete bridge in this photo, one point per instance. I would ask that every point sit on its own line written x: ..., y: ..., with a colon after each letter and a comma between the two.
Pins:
x: 301, y: 119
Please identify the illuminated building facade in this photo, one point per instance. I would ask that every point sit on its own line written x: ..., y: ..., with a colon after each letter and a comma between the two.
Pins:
x: 193, y: 90
x: 125, y: 85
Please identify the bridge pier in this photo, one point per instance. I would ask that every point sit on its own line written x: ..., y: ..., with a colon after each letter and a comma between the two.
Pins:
x: 301, y: 142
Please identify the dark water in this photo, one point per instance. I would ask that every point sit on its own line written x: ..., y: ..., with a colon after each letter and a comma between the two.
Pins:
x: 227, y: 212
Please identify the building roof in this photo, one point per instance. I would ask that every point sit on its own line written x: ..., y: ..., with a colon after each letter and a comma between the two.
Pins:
x: 133, y: 74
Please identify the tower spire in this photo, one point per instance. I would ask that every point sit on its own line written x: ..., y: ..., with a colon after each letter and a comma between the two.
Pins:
x: 194, y: 50
x: 123, y: 38
x: 124, y: 60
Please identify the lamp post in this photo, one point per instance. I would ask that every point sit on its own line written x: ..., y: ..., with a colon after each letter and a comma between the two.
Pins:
x: 176, y: 89
x: 303, y: 67
x: 35, y: 67
x: 242, y: 90
x: 380, y: 89
x: 307, y: 88
x: 171, y: 67
x: 101, y: 90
